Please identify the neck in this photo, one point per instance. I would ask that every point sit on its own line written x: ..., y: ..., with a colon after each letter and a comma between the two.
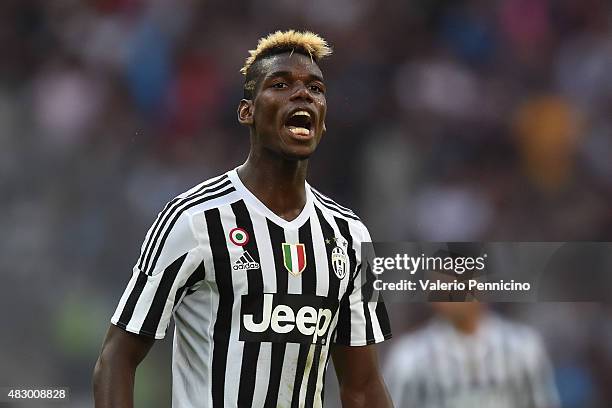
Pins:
x: 277, y: 182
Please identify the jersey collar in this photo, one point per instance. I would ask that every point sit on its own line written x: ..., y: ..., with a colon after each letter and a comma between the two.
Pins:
x: 253, y: 201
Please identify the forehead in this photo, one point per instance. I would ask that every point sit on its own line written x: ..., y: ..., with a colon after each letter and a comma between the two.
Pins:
x: 297, y: 64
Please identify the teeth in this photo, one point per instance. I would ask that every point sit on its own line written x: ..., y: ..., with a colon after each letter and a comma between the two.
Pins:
x: 299, y: 131
x: 301, y: 113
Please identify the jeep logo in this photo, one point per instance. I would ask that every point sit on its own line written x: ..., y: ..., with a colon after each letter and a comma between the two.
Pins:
x: 286, y: 318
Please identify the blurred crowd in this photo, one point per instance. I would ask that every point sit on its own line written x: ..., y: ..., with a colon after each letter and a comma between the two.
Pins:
x: 447, y: 120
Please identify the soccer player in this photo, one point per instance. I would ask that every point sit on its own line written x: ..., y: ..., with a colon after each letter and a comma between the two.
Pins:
x: 260, y: 271
x: 468, y: 357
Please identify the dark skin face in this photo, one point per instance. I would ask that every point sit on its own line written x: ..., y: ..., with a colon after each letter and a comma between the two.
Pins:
x: 289, y: 82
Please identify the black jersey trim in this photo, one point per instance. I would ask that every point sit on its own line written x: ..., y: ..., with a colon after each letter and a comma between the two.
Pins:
x: 331, y: 205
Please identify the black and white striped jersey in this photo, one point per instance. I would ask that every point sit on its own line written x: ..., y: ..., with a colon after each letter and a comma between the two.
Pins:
x: 502, y: 365
x: 256, y: 300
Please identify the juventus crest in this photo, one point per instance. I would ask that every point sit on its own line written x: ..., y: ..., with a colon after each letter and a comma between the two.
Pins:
x: 339, y: 257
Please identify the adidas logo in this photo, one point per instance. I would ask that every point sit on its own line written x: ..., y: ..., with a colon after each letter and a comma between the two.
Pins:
x: 245, y: 263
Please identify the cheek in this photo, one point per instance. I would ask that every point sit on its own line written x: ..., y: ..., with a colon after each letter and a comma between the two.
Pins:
x: 322, y: 106
x: 268, y: 110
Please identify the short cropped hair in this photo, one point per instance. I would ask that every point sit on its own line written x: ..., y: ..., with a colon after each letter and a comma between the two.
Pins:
x: 306, y: 43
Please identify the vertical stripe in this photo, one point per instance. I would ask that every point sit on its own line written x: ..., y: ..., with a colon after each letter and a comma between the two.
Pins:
x: 262, y: 380
x: 309, y: 285
x: 323, y: 364
x: 187, y: 272
x: 130, y: 304
x: 299, y: 374
x: 197, y: 276
x: 383, y: 318
x: 125, y: 295
x: 246, y: 381
x: 365, y: 285
x: 308, y: 367
x: 161, y: 296
x: 278, y: 349
x: 289, y: 368
x: 312, y: 378
x: 240, y: 287
x: 373, y: 306
x: 320, y: 384
x: 329, y: 233
x: 327, y: 285
x: 250, y: 353
x: 277, y: 237
x: 343, y: 329
x: 208, y: 299
x: 324, y: 274
x: 294, y: 286
x: 309, y: 275
x: 222, y: 329
x: 369, y: 331
x: 276, y: 367
x: 268, y: 368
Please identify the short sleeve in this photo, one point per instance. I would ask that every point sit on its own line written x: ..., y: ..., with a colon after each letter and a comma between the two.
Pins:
x: 170, y: 262
x: 362, y: 318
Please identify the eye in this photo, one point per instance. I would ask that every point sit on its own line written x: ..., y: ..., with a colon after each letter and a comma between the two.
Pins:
x: 316, y: 89
x: 279, y: 85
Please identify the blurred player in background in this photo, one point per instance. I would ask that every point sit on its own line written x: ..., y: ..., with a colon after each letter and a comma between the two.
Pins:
x: 260, y: 271
x: 467, y: 357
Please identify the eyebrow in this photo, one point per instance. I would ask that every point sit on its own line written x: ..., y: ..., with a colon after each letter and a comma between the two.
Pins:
x: 289, y: 73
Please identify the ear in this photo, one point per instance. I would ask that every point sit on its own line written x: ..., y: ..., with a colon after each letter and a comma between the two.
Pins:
x: 245, y: 112
x: 324, y: 128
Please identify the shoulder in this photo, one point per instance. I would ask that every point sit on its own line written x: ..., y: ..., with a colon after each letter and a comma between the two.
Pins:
x: 343, y: 215
x: 173, y: 233
x: 325, y: 203
x: 209, y: 194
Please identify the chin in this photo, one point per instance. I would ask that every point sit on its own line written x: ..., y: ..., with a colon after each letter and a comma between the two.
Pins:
x: 298, y: 151
x: 298, y: 154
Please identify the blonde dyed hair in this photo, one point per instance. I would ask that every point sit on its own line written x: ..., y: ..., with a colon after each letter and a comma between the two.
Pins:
x: 280, y: 41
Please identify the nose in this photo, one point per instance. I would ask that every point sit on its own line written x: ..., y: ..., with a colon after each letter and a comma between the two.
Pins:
x: 301, y: 92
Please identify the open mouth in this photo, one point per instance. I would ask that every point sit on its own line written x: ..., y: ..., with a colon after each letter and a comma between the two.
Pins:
x: 299, y: 123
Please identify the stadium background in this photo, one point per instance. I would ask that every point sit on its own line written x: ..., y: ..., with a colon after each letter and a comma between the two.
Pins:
x: 447, y: 120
